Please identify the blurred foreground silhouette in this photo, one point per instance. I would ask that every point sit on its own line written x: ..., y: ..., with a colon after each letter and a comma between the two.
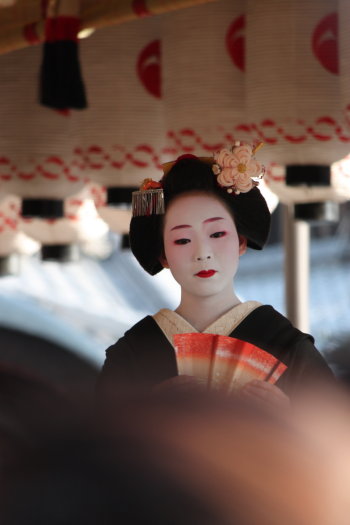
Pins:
x: 170, y: 458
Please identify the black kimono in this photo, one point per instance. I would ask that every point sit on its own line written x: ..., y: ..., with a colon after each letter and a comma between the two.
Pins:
x: 144, y: 357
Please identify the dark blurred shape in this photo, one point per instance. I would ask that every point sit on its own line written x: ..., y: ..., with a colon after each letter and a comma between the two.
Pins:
x: 308, y: 175
x: 120, y: 194
x: 125, y: 243
x: 43, y: 208
x: 54, y: 364
x: 317, y: 212
x: 311, y: 175
x: 61, y: 82
x: 30, y: 406
x: 77, y: 480
x: 167, y: 459
x: 60, y: 252
x: 67, y: 468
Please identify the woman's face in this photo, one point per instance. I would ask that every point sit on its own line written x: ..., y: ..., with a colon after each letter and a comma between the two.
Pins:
x: 201, y: 244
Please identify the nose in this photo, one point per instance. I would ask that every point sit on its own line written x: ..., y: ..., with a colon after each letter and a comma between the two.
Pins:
x: 202, y: 250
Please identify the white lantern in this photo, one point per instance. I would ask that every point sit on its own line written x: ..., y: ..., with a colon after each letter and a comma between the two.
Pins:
x: 269, y: 195
x: 293, y: 95
x: 122, y: 132
x: 60, y: 238
x: 117, y: 217
x: 37, y: 160
x: 13, y: 242
x: 204, y: 77
x: 337, y: 191
x: 92, y: 230
x: 12, y: 239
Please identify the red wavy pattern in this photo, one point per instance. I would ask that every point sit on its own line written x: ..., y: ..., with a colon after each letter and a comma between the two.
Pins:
x: 9, y: 216
x: 186, y: 140
x: 53, y: 168
x: 270, y: 174
x: 6, y: 223
x: 324, y: 129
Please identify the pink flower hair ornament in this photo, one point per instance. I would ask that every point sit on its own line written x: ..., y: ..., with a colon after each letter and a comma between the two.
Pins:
x: 236, y: 169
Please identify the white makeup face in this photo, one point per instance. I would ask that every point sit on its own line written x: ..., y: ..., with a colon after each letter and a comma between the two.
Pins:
x: 201, y: 245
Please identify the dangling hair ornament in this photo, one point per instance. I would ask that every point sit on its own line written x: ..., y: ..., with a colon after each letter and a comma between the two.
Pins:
x: 148, y: 200
x: 236, y: 169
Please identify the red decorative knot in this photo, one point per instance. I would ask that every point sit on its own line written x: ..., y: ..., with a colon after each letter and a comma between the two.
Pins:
x: 149, y: 184
x: 140, y: 8
x: 62, y: 28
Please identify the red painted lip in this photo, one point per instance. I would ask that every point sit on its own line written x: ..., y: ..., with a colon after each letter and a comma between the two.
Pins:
x: 206, y: 273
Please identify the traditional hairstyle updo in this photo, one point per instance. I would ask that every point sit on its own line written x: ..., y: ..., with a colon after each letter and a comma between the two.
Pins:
x: 190, y: 174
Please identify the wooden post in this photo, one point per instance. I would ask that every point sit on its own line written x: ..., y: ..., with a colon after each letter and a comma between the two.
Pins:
x: 296, y: 237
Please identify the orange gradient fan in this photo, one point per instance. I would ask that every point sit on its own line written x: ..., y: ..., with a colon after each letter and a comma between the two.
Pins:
x: 223, y: 362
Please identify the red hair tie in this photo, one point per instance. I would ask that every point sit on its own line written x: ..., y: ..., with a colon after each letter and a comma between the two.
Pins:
x: 186, y: 156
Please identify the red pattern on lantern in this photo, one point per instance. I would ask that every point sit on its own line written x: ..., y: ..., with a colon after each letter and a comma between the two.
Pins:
x: 325, y: 43
x: 235, y: 42
x: 6, y: 169
x: 30, y: 34
x: 52, y: 168
x: 182, y: 141
x: 9, y: 215
x: 63, y: 112
x: 7, y: 223
x: 149, y: 68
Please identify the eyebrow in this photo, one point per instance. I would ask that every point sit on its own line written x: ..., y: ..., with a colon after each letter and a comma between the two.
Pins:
x: 212, y: 219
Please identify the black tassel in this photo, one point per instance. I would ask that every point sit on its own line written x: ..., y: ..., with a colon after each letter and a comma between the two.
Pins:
x: 61, y: 83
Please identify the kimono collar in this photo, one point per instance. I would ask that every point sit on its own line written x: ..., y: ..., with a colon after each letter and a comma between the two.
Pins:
x: 172, y: 323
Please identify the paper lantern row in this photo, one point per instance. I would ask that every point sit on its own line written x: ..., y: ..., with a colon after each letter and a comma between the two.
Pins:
x: 84, y: 223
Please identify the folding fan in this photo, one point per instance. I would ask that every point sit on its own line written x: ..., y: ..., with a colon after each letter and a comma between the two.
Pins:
x: 224, y: 363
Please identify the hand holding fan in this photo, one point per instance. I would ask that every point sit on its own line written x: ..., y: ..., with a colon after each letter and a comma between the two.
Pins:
x: 225, y: 363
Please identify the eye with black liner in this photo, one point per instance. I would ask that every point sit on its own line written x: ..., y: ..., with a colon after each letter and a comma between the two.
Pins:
x: 217, y: 235
x: 182, y: 241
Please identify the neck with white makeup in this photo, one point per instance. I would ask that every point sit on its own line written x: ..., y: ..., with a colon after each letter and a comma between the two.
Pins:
x: 201, y: 311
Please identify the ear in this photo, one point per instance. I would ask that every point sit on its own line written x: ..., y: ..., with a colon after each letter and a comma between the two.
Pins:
x: 163, y: 261
x: 242, y: 244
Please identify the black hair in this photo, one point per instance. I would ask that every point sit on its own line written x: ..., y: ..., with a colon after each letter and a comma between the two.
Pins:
x: 249, y: 211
